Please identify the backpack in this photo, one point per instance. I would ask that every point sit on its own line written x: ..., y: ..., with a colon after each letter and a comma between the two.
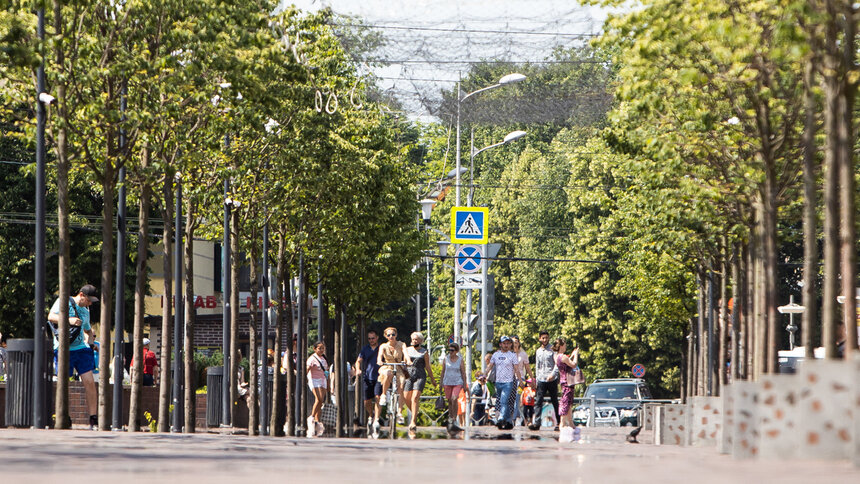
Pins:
x: 74, y: 331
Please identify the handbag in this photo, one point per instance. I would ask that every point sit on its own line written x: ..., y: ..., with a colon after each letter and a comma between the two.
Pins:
x: 578, y: 377
x: 440, y: 403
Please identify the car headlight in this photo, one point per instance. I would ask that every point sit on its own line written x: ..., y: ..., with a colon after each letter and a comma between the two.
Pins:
x: 629, y: 412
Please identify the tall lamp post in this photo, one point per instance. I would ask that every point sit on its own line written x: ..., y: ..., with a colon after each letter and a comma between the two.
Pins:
x: 791, y: 309
x: 504, y: 81
x: 512, y: 136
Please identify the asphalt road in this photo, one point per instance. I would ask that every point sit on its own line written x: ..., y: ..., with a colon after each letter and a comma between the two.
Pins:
x: 602, y: 456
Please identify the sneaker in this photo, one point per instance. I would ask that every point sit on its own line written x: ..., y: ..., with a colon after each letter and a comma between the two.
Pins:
x: 509, y: 426
x: 94, y: 422
x: 382, y: 400
x: 320, y: 428
x: 400, y: 420
x: 375, y: 433
x: 500, y: 425
x: 534, y: 426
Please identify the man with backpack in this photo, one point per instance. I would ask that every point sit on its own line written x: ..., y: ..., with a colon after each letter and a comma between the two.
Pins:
x: 81, y: 345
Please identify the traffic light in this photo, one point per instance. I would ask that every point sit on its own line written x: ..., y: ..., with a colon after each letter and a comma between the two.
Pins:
x: 473, y: 329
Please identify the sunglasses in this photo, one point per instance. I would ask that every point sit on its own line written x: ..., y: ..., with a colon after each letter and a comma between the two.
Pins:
x: 390, y: 335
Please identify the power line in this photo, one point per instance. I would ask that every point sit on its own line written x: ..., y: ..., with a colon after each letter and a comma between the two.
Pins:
x: 474, y: 31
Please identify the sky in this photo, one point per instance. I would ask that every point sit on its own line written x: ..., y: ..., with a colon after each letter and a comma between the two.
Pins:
x: 430, y: 42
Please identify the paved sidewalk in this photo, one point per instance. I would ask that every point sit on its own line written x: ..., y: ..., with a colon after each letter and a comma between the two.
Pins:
x: 602, y: 456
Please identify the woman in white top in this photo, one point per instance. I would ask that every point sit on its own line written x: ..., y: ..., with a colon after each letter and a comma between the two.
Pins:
x: 317, y: 381
x: 453, y: 380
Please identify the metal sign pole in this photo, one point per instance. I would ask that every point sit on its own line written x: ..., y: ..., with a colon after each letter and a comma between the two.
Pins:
x: 485, y: 265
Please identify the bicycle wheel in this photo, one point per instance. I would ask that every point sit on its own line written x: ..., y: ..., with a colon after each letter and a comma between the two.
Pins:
x: 392, y: 415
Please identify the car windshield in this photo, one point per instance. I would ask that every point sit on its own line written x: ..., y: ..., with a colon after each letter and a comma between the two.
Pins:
x: 618, y: 392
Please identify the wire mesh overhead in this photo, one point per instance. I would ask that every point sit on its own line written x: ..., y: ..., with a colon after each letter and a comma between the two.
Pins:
x: 417, y: 51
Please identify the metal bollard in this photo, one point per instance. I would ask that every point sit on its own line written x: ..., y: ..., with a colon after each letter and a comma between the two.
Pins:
x: 591, y: 411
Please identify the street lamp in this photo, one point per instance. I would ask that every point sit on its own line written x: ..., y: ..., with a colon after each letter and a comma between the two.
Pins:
x: 504, y: 81
x: 426, y: 208
x: 443, y: 248
x: 791, y: 309
x: 510, y: 137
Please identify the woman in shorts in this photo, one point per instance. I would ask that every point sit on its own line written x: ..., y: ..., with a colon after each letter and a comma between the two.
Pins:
x: 453, y: 380
x: 317, y: 381
x: 418, y: 371
x: 566, y: 366
x: 392, y: 351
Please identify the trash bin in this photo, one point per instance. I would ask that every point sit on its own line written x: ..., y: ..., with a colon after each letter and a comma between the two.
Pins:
x: 214, y: 382
x: 19, y: 383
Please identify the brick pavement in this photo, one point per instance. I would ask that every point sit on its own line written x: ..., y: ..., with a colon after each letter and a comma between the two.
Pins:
x: 602, y: 457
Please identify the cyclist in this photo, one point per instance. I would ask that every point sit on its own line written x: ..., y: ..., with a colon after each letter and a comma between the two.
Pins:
x: 419, y: 370
x: 392, y: 351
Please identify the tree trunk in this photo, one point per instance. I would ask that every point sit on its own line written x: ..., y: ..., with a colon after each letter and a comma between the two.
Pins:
x: 108, y: 189
x: 830, y: 289
x: 167, y: 305
x: 190, y: 312
x: 810, y: 205
x: 61, y: 402
x: 288, y: 355
x: 235, y: 268
x: 141, y: 276
x: 847, y: 192
x: 736, y: 315
x: 253, y: 416
x: 302, y: 348
x: 278, y: 389
x: 749, y: 311
x: 336, y: 370
x: 701, y: 343
x: 771, y: 275
x: 724, y: 318
x: 760, y: 326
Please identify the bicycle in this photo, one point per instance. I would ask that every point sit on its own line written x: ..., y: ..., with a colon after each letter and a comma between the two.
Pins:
x: 393, y: 401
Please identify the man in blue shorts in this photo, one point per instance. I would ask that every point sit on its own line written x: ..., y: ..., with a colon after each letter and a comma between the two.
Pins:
x: 367, y: 366
x: 81, y: 356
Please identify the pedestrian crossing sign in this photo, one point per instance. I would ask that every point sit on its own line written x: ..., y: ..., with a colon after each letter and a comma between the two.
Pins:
x: 469, y: 225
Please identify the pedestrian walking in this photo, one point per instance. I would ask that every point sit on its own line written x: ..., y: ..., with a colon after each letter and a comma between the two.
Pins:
x: 318, y: 383
x: 528, y: 401
x: 81, y: 354
x: 525, y: 371
x: 453, y: 380
x: 419, y: 371
x: 481, y: 397
x: 504, y: 362
x: 546, y: 373
x: 367, y: 368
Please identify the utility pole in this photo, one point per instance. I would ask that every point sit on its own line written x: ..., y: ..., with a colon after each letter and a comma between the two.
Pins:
x: 40, y: 364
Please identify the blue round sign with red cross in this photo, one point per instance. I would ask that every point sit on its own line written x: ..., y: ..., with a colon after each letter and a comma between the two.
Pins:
x: 638, y: 370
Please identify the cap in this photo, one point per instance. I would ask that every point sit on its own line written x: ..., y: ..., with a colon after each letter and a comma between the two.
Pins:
x: 145, y: 341
x: 503, y: 339
x: 90, y: 291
